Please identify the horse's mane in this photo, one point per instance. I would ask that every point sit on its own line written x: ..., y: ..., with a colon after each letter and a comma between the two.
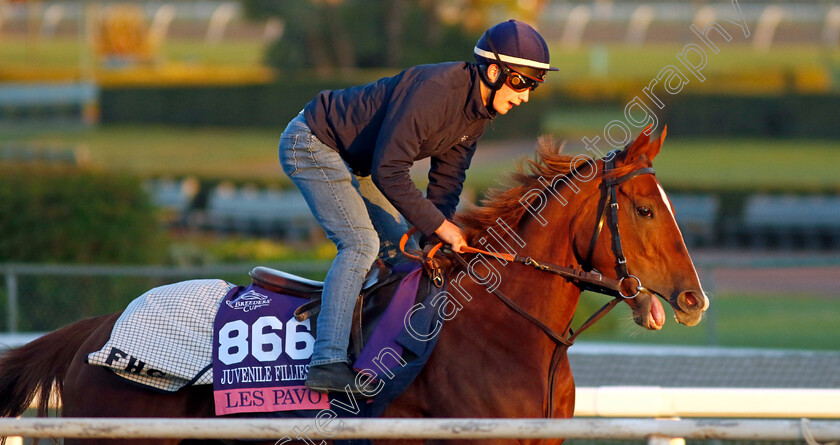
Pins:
x: 505, y: 202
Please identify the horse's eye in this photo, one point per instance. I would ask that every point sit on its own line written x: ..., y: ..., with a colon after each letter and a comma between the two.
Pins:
x: 644, y: 212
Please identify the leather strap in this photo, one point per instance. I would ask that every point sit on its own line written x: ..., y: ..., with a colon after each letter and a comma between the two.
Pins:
x: 504, y: 256
x: 603, y: 202
x: 308, y: 309
x: 639, y: 171
x: 593, y: 281
x: 561, y: 342
x: 554, y: 336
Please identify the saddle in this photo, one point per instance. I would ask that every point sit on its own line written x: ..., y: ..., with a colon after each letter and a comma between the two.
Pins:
x: 370, y: 304
x: 281, y: 282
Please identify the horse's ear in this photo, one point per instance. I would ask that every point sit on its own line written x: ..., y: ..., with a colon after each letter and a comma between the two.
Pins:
x: 644, y: 146
x: 654, y: 147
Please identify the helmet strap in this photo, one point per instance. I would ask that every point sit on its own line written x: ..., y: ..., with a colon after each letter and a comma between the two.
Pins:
x: 494, y: 86
x: 504, y: 71
x: 503, y: 68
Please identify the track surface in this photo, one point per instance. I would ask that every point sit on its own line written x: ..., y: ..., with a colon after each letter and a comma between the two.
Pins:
x: 789, y: 273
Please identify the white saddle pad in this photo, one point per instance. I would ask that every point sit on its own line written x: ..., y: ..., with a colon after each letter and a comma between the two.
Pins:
x: 164, y: 338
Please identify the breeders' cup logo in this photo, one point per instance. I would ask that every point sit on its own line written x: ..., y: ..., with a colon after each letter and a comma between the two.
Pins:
x: 249, y: 301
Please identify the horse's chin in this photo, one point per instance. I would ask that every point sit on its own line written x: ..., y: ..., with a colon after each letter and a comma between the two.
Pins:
x: 648, y: 312
x: 688, y: 319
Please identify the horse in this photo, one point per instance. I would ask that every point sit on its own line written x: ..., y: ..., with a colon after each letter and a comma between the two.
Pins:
x: 508, y: 311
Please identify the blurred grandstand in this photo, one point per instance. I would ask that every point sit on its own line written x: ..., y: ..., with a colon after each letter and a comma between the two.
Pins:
x: 141, y: 27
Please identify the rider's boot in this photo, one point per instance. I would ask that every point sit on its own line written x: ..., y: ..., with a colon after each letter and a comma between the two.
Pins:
x: 332, y: 377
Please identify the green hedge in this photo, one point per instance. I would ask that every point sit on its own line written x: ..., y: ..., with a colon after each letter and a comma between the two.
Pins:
x: 68, y: 215
x: 271, y: 106
x: 249, y: 106
x: 275, y: 104
x: 813, y: 116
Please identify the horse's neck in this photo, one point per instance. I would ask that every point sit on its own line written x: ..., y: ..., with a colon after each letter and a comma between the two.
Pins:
x: 548, y: 297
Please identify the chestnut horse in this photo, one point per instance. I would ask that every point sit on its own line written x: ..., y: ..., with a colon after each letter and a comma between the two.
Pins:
x: 496, y: 357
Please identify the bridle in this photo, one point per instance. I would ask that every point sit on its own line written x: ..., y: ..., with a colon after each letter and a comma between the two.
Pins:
x: 609, y: 200
x: 586, y: 277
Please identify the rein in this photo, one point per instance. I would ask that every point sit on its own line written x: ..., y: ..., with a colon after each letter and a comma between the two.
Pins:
x: 561, y: 342
x: 587, y: 277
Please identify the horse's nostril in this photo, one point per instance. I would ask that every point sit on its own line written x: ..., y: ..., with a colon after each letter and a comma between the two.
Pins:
x: 692, y: 301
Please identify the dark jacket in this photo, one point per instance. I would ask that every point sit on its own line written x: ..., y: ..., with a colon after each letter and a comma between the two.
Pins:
x: 380, y: 129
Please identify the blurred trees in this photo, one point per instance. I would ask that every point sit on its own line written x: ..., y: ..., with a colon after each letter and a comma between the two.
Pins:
x: 337, y: 36
x: 57, y: 214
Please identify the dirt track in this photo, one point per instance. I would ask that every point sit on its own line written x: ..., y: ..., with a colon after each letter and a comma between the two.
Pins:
x: 800, y: 273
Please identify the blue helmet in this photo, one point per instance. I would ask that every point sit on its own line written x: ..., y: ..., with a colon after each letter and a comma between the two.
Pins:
x: 517, y: 44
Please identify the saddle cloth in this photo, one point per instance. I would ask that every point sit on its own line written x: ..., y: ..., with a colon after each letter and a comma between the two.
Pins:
x: 264, y: 349
x: 163, y: 338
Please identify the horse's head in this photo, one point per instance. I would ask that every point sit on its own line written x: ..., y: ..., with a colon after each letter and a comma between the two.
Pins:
x: 646, y: 232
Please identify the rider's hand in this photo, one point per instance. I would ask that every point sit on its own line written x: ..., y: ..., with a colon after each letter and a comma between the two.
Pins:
x: 451, y: 234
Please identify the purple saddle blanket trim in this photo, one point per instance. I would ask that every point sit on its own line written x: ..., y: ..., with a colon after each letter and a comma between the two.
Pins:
x: 384, y: 336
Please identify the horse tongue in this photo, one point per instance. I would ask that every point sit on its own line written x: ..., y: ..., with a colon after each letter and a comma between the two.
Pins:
x: 657, y: 312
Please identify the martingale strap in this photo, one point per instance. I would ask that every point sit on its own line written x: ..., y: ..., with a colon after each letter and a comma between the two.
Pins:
x: 553, y: 335
x: 562, y: 342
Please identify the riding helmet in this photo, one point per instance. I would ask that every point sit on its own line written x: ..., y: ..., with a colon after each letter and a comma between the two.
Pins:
x: 513, y: 43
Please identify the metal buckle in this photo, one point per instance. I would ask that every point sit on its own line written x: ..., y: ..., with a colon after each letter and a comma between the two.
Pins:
x: 533, y: 263
x: 639, y: 288
x: 437, y: 276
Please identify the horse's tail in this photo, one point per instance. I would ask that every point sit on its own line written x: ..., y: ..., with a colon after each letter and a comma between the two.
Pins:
x: 38, y: 368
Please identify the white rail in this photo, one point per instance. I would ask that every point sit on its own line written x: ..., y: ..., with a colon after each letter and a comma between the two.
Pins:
x: 610, y: 401
x: 646, y: 401
x: 659, y: 402
x: 752, y: 429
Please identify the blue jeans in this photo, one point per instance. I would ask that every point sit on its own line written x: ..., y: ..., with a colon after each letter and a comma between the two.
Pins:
x: 352, y: 211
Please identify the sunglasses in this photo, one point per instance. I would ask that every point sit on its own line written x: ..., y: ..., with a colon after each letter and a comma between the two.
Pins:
x: 519, y: 82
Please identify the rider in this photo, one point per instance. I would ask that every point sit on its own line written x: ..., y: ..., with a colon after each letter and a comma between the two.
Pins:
x: 349, y: 152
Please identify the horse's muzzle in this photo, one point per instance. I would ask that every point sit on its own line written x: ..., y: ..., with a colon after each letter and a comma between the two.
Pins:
x: 690, y: 306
